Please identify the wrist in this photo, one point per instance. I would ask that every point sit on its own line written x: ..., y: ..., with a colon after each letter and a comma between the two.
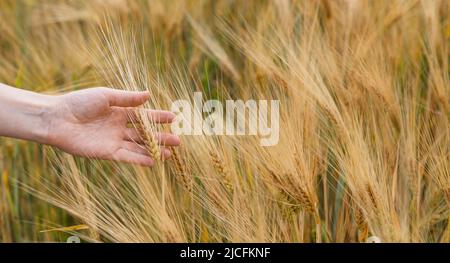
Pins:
x: 43, y: 110
x: 26, y: 115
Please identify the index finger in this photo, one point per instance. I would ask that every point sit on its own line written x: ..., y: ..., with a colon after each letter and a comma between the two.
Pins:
x: 155, y: 116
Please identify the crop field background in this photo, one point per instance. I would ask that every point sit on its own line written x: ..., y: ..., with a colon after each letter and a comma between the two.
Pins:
x: 364, y: 89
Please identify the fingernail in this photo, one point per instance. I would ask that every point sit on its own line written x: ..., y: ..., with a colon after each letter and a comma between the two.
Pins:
x: 177, y: 140
x: 147, y: 93
x: 172, y: 116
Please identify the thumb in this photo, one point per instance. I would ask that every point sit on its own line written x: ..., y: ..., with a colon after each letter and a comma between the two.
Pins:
x: 122, y: 98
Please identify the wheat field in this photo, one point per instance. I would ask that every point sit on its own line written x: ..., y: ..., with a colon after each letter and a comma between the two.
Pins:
x: 363, y: 151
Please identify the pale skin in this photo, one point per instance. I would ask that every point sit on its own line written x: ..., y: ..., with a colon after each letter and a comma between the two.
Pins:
x: 93, y: 123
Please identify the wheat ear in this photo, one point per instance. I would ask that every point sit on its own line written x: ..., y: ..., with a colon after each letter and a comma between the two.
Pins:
x: 171, y: 236
x: 149, y: 140
x: 361, y: 223
x: 372, y: 196
x: 220, y: 167
x: 447, y: 195
x: 181, y: 169
x: 152, y: 146
x: 298, y: 194
x: 303, y: 193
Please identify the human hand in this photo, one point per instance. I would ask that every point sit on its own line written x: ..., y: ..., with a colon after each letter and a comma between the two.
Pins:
x: 93, y: 123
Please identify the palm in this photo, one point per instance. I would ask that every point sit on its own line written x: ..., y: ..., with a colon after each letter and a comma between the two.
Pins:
x: 95, y: 125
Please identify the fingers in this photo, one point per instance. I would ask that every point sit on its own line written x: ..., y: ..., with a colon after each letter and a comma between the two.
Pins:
x: 165, y: 139
x: 127, y: 156
x: 140, y: 149
x: 166, y: 153
x: 161, y: 116
x: 122, y: 98
x: 155, y: 116
x: 133, y: 136
x: 134, y: 147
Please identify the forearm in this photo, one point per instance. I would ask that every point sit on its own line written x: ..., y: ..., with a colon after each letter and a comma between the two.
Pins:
x: 23, y: 114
